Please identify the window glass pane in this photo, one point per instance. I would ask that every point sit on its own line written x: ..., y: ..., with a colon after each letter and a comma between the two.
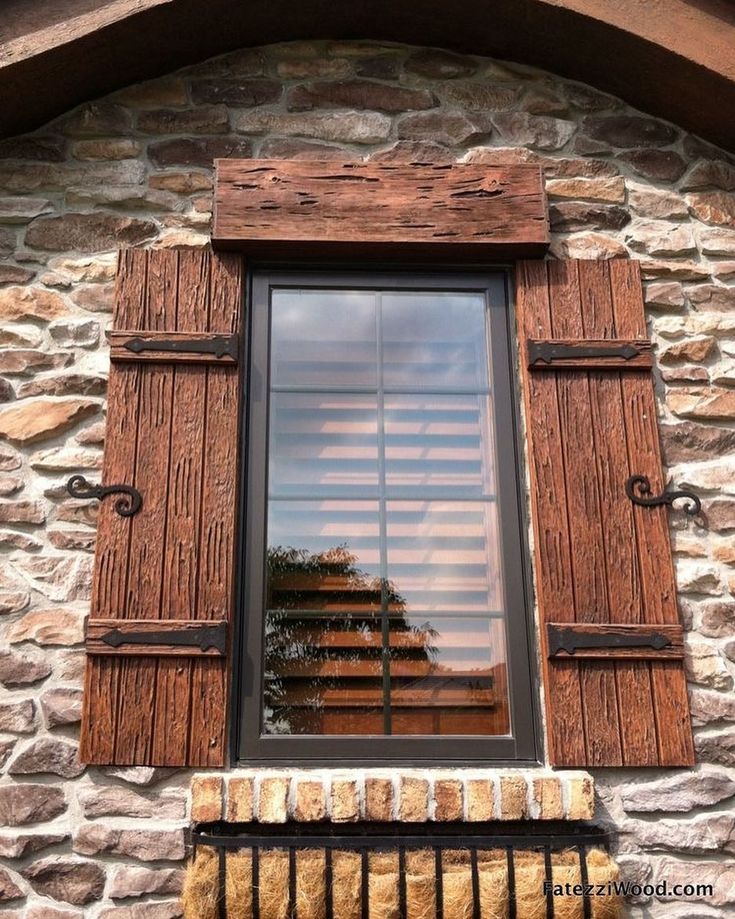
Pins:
x: 434, y: 340
x: 439, y: 444
x: 322, y: 443
x: 444, y: 561
x: 384, y: 598
x: 323, y: 338
x: 445, y: 555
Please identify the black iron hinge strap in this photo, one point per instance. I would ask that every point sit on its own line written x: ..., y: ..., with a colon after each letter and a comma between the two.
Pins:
x: 570, y: 640
x: 204, y: 637
x: 589, y: 354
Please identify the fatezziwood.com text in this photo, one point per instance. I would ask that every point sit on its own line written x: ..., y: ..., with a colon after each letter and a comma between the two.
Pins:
x: 629, y: 889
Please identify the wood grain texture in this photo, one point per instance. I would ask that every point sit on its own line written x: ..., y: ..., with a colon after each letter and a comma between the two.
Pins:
x: 277, y: 206
x: 554, y: 575
x: 168, y: 709
x: 632, y: 681
x: 585, y: 501
x: 674, y: 741
x: 673, y: 651
x: 228, y: 346
x: 602, y: 422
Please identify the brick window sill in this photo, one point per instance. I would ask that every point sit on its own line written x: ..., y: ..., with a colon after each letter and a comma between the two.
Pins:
x: 403, y: 795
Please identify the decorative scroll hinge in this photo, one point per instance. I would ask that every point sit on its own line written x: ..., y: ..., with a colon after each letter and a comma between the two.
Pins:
x: 693, y: 507
x: 157, y: 638
x: 588, y: 354
x: 79, y: 487
x: 614, y: 641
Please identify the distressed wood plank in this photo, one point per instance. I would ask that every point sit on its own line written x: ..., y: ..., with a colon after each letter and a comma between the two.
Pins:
x: 110, y: 582
x: 623, y: 571
x: 668, y: 680
x: 210, y: 679
x: 133, y: 725
x: 599, y: 693
x: 183, y: 511
x: 272, y: 206
x: 554, y: 576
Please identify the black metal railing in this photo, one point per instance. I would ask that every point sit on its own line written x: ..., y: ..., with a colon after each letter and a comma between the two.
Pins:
x: 543, y: 840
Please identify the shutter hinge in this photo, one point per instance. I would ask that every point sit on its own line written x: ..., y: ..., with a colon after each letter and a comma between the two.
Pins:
x: 588, y: 354
x: 693, y: 507
x: 174, y: 347
x: 614, y: 640
x: 157, y: 638
x: 79, y: 487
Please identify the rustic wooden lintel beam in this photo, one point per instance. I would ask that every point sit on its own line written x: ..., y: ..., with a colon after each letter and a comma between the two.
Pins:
x: 458, y: 212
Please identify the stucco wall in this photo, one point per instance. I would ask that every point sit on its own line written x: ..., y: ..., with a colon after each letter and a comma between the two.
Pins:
x: 135, y: 168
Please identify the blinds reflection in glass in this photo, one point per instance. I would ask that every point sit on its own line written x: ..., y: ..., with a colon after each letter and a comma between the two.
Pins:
x: 384, y: 602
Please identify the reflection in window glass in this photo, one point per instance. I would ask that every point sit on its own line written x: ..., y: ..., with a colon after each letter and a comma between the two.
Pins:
x: 385, y: 609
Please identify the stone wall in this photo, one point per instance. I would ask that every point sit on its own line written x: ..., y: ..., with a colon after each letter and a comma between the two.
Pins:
x: 135, y: 169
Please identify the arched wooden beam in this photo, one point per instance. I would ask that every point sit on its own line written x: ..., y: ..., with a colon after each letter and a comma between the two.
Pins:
x: 674, y: 58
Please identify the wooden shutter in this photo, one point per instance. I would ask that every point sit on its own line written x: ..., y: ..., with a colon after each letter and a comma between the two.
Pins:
x: 603, y: 564
x: 172, y: 433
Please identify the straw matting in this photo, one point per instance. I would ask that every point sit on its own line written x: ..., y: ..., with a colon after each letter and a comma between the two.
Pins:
x: 201, y: 891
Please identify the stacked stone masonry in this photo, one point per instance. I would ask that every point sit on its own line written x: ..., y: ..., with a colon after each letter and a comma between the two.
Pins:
x: 135, y: 168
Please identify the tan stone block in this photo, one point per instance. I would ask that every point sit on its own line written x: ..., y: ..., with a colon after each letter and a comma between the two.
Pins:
x: 547, y: 793
x: 581, y: 799
x: 345, y: 800
x: 206, y: 798
x: 712, y: 403
x: 53, y: 626
x: 378, y: 799
x: 350, y: 127
x: 43, y: 418
x: 513, y: 797
x: 589, y: 245
x: 183, y: 183
x: 716, y: 207
x: 21, y: 303
x: 691, y: 349
x: 724, y: 553
x: 117, y: 148
x: 610, y: 190
x: 448, y: 799
x: 681, y: 269
x: 273, y: 800
x: 660, y: 237
x: 310, y: 800
x: 480, y: 799
x: 240, y: 800
x: 414, y: 805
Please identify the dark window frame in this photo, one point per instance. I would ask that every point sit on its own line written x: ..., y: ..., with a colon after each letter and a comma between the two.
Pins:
x: 249, y: 745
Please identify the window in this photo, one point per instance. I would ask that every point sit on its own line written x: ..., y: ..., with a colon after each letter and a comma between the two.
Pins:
x: 384, y: 592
